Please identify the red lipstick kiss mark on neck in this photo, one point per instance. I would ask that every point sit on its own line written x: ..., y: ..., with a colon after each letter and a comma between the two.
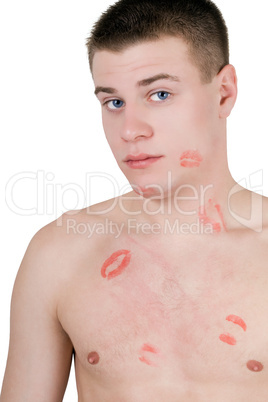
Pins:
x: 218, y: 208
x: 205, y: 219
x: 202, y: 215
x: 190, y: 159
x: 117, y: 271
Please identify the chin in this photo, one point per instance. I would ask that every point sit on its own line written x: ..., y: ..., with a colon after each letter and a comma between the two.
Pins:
x: 150, y: 190
x: 159, y: 186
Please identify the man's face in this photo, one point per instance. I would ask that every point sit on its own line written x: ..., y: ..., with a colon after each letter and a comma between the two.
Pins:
x: 153, y: 103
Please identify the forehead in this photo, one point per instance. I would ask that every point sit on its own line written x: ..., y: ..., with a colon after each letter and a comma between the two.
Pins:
x: 165, y: 55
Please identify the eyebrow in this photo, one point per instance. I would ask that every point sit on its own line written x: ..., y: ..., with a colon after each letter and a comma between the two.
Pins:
x: 142, y: 83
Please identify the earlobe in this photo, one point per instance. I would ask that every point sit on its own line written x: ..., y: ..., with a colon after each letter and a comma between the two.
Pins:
x: 227, y: 90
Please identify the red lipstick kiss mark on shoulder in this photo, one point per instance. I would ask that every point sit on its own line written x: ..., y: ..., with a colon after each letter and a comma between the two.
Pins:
x: 190, y: 158
x: 117, y: 271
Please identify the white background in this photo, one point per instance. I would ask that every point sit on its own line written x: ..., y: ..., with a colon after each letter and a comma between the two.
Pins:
x: 51, y: 122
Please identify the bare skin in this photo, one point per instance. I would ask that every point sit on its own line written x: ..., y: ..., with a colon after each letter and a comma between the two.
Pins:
x: 157, y: 325
x: 150, y: 315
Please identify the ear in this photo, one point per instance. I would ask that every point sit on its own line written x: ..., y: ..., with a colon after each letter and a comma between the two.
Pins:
x: 227, y: 85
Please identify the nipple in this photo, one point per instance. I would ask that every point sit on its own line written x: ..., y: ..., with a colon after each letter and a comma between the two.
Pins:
x: 93, y: 358
x: 254, y: 365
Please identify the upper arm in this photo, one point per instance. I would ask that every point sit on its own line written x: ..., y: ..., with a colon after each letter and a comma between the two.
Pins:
x: 40, y: 352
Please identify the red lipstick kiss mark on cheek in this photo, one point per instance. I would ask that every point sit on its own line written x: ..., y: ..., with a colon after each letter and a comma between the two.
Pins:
x: 189, y: 163
x: 150, y: 349
x: 254, y: 365
x: 117, y: 271
x: 190, y: 159
x: 237, y: 320
x: 227, y: 338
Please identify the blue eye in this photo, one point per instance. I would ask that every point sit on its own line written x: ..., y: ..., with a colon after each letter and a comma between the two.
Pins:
x: 114, y: 104
x: 161, y: 96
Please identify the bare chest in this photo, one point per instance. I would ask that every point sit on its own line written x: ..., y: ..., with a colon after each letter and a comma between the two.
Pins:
x: 191, y: 314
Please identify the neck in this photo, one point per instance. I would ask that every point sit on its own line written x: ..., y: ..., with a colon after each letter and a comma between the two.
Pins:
x: 202, y: 199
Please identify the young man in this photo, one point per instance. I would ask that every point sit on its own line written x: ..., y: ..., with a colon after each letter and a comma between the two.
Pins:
x: 170, y: 303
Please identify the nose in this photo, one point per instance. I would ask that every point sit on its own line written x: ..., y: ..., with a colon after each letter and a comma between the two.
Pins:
x: 135, y: 125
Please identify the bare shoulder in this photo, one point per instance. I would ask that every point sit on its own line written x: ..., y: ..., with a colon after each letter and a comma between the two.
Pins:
x: 252, y: 228
x: 77, y: 234
x: 264, y: 218
x: 95, y: 221
x: 249, y: 212
x: 72, y: 230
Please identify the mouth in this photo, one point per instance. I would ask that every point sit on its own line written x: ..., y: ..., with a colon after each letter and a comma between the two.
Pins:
x: 190, y: 159
x: 141, y: 161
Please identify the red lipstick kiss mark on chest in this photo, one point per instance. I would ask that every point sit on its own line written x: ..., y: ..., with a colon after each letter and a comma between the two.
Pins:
x: 190, y: 159
x: 147, y: 348
x: 252, y: 365
x: 227, y: 338
x: 237, y: 320
x: 117, y: 271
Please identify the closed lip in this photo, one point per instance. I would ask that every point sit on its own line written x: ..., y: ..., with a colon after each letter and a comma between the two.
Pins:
x: 140, y: 157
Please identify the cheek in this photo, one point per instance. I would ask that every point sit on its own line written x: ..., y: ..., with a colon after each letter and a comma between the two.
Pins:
x: 197, y: 115
x: 109, y: 122
x: 111, y: 129
x: 199, y: 108
x: 182, y: 123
